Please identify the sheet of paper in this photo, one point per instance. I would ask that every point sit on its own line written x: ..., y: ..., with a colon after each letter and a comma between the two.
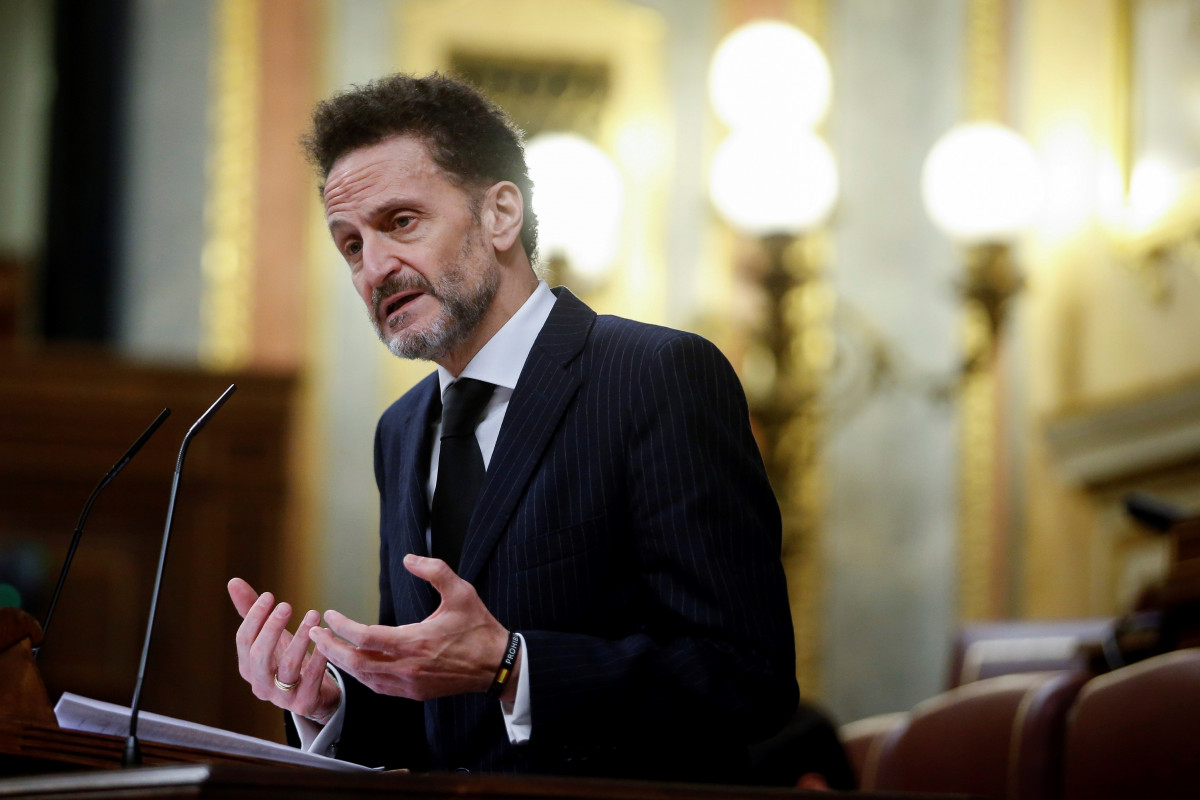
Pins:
x: 95, y: 716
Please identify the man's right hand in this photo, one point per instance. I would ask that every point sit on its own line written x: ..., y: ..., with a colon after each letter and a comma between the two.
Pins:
x: 267, y: 653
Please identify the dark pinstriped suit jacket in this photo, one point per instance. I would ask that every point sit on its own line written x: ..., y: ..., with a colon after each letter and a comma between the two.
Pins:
x: 627, y: 529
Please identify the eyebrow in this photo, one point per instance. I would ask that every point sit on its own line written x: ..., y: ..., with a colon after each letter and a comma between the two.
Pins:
x: 337, y: 225
x: 380, y: 209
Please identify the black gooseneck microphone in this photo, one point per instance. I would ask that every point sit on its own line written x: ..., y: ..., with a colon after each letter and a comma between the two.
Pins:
x: 133, y: 752
x: 112, y: 473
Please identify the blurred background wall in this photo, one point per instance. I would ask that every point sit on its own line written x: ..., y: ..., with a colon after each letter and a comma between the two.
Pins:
x: 160, y: 236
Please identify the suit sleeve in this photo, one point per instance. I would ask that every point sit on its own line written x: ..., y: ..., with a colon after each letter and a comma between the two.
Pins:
x: 713, y: 660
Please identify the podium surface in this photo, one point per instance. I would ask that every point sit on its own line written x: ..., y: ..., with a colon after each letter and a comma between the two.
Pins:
x: 45, y: 761
x: 227, y: 781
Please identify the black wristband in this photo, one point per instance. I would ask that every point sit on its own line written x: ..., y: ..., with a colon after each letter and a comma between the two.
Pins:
x: 506, y: 665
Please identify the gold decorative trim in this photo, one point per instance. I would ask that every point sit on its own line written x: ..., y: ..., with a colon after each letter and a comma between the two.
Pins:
x: 977, y: 470
x: 985, y: 60
x: 227, y: 257
x: 977, y: 563
x: 1122, y: 132
x: 802, y: 374
x: 795, y: 337
x: 812, y: 17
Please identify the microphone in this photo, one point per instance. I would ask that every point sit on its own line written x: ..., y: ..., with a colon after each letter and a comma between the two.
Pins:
x: 133, y: 752
x: 1152, y: 511
x: 112, y: 473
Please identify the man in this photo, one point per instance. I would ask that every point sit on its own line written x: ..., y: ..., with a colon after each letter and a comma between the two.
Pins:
x: 589, y: 582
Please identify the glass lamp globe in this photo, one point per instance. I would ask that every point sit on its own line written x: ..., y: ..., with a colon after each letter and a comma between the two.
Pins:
x: 773, y: 182
x: 769, y: 73
x: 981, y: 183
x: 1154, y: 189
x: 578, y: 198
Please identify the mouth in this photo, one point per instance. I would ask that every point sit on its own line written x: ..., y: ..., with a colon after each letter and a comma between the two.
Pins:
x: 396, y: 303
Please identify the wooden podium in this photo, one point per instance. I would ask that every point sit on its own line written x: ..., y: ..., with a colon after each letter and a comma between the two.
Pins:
x: 299, y: 783
x: 30, y: 739
x: 40, y: 759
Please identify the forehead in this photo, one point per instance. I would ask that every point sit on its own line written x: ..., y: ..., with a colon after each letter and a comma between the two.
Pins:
x: 399, y: 164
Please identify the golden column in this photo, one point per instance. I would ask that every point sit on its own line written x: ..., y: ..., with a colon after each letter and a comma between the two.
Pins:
x: 229, y: 214
x: 790, y: 420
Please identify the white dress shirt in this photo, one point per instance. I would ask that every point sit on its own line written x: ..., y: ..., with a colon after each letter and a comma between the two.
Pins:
x: 498, y: 362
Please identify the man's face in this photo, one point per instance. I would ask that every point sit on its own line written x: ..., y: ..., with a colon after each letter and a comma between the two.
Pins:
x: 414, y: 244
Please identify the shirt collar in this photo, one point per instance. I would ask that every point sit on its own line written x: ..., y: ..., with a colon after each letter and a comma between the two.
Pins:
x: 502, y: 358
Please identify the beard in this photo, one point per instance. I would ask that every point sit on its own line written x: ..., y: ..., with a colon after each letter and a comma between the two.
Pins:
x: 464, y: 303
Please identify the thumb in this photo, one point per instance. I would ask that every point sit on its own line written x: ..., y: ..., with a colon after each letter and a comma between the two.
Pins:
x: 242, y: 595
x: 434, y: 570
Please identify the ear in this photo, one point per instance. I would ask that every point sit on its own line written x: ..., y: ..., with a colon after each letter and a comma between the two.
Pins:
x: 504, y: 214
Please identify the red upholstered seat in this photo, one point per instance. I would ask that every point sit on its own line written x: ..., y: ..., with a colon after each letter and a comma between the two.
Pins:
x: 988, y: 649
x: 863, y: 739
x: 1135, y: 732
x: 998, y: 738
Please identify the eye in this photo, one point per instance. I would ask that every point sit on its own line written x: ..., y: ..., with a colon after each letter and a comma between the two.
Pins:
x: 402, y: 222
x: 353, y: 248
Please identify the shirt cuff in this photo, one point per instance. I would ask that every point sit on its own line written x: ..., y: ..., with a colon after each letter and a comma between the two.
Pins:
x: 320, y: 739
x: 518, y: 719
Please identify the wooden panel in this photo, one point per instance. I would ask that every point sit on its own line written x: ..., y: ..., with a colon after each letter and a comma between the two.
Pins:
x: 235, y: 781
x: 29, y: 749
x: 65, y: 418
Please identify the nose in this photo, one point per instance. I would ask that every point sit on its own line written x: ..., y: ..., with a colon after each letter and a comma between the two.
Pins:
x: 378, y: 260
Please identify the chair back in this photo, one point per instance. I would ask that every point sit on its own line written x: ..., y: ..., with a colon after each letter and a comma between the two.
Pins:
x: 1135, y: 732
x: 997, y: 738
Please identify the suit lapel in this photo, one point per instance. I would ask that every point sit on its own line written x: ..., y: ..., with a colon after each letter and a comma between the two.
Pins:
x: 549, y: 381
x: 413, y: 509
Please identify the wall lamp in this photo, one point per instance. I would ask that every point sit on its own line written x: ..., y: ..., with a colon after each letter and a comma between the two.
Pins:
x: 774, y: 179
x: 579, y: 202
x: 982, y: 186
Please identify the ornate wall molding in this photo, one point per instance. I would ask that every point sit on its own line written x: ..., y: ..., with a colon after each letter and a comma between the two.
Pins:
x: 1116, y: 441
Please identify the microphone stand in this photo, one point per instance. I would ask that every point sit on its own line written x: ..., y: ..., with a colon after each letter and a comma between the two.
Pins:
x: 133, y: 751
x: 112, y: 473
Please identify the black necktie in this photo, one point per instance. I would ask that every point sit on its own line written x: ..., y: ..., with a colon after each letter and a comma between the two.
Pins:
x: 460, y: 468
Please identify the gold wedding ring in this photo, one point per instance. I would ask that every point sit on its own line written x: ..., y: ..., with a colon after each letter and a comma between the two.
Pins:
x: 285, y: 687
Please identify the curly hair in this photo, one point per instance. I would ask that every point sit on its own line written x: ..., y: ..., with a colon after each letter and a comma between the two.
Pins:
x: 469, y: 137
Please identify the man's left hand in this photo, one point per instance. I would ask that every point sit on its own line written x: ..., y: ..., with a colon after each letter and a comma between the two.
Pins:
x: 454, y: 650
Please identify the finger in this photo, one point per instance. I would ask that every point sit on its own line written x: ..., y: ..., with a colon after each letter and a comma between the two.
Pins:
x: 313, y: 670
x: 377, y: 640
x: 346, y: 628
x: 271, y: 640
x: 312, y: 676
x: 333, y: 649
x: 242, y: 595
x: 292, y: 658
x: 252, y: 622
x: 341, y: 653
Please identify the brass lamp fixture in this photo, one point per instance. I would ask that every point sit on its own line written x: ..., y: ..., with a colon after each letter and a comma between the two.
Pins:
x: 775, y: 180
x: 579, y: 204
x: 982, y: 186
